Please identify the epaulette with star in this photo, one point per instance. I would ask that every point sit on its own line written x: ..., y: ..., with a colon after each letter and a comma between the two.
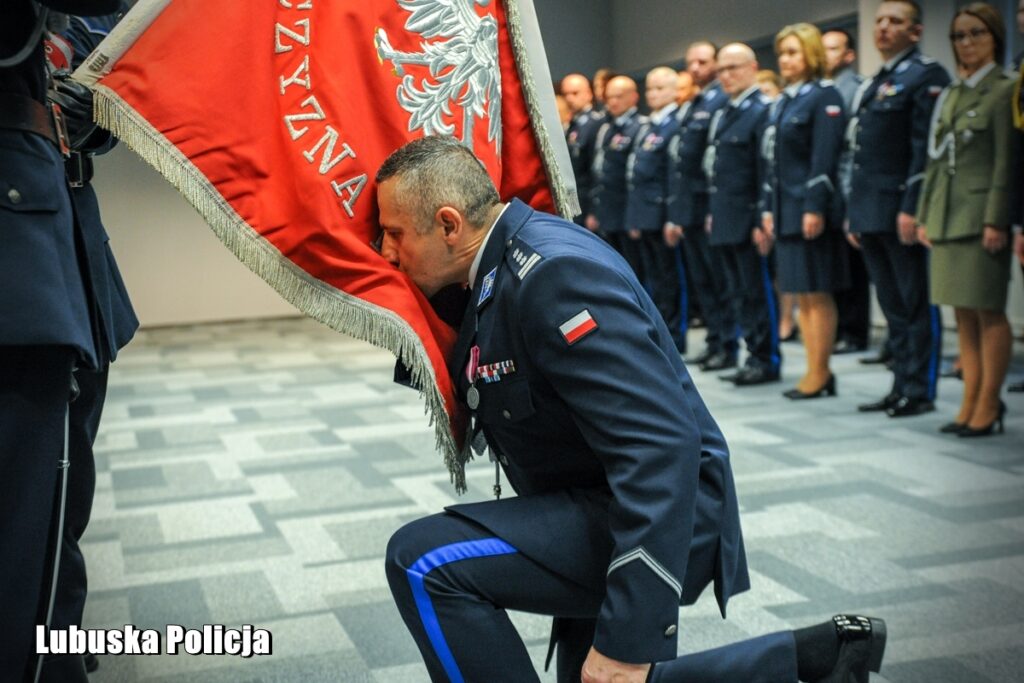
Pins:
x: 521, y: 258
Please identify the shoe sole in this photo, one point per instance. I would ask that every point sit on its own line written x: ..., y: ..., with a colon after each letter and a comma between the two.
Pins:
x: 878, y: 636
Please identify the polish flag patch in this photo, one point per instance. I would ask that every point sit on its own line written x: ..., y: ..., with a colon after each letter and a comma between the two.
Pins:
x: 934, y: 90
x: 578, y: 327
x: 833, y: 110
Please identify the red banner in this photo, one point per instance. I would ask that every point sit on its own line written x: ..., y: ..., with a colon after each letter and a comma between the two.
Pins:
x: 273, y: 116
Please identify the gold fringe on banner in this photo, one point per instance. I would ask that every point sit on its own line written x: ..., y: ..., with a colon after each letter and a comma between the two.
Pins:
x: 331, y: 306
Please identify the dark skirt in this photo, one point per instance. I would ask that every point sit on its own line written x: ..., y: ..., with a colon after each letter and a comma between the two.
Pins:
x: 819, y: 265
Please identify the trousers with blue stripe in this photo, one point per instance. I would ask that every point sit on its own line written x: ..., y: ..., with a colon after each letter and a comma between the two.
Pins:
x: 900, y: 275
x: 453, y: 581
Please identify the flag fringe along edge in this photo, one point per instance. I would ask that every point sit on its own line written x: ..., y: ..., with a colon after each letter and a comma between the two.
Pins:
x: 566, y: 199
x: 328, y: 305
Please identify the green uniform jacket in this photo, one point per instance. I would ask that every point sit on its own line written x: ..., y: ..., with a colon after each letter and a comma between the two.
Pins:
x: 970, y: 166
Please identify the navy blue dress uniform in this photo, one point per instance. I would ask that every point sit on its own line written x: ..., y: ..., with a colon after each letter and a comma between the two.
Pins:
x: 853, y: 304
x: 581, y: 136
x: 657, y: 265
x: 114, y: 322
x: 735, y: 172
x: 626, y: 504
x: 45, y: 326
x: 608, y: 194
x: 805, y: 141
x: 687, y: 206
x: 888, y: 138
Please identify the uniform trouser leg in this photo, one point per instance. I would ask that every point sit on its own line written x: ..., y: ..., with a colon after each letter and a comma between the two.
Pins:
x: 769, y: 658
x: 900, y: 274
x: 84, y: 423
x: 709, y: 286
x: 34, y: 388
x: 753, y: 299
x: 663, y: 270
x: 854, y: 304
x: 452, y: 581
x: 631, y: 250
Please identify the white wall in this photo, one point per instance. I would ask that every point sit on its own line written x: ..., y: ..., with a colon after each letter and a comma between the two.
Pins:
x: 577, y: 34
x: 649, y: 32
x: 175, y: 268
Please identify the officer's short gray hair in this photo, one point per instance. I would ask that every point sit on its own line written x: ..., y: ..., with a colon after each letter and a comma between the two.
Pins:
x: 438, y: 171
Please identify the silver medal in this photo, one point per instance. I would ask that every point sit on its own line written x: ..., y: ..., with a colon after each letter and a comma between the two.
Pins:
x: 473, y: 398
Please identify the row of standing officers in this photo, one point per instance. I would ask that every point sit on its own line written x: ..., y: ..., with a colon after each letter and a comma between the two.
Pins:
x: 734, y: 176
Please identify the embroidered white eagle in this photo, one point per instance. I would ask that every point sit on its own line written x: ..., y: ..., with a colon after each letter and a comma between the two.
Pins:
x: 463, y: 68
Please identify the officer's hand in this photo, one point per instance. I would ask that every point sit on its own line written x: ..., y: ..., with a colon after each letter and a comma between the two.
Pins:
x: 853, y: 240
x: 1018, y: 247
x: 993, y: 239
x: 768, y: 224
x: 672, y: 233
x: 906, y: 227
x: 75, y: 101
x: 762, y: 240
x: 633, y: 234
x: 922, y: 236
x: 591, y: 222
x: 600, y: 669
x: 708, y: 224
x: 813, y: 226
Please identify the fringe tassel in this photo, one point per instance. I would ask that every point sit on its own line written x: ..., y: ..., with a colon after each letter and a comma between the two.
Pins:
x: 328, y: 305
x: 566, y: 200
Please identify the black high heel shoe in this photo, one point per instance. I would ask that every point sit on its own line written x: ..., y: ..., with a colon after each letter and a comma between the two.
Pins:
x: 828, y: 389
x: 994, y: 427
x: 952, y: 427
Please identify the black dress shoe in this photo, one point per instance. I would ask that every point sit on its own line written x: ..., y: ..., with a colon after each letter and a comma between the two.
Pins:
x: 883, y: 357
x: 722, y: 360
x: 886, y: 402
x: 732, y: 376
x: 751, y: 375
x: 952, y: 427
x: 993, y: 427
x: 1016, y: 387
x: 849, y: 346
x: 91, y: 662
x: 952, y: 373
x: 909, y: 407
x: 828, y: 389
x: 861, y: 648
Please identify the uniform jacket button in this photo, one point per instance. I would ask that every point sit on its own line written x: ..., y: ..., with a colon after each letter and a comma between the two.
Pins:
x: 670, y: 631
x: 506, y: 414
x: 14, y: 196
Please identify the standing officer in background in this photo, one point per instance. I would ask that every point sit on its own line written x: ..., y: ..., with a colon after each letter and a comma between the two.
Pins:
x: 853, y: 304
x: 888, y: 139
x: 581, y: 134
x: 626, y: 505
x: 687, y: 209
x: 611, y: 154
x: 1017, y: 197
x: 112, y: 312
x: 45, y: 329
x: 736, y: 173
x: 658, y: 266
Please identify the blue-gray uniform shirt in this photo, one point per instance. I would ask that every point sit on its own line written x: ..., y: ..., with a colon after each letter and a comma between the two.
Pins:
x: 615, y: 139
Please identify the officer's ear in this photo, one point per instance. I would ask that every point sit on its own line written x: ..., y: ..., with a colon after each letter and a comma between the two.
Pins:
x: 451, y: 223
x: 916, y: 32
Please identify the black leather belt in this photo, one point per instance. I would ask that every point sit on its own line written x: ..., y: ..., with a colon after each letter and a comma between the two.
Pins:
x: 20, y: 112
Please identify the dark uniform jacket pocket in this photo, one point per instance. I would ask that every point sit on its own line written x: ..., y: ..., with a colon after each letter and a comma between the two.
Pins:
x: 505, y: 401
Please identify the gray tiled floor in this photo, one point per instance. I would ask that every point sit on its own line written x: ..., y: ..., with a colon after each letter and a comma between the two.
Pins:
x: 252, y: 473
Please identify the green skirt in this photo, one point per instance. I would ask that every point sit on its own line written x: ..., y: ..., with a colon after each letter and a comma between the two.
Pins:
x: 964, y: 275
